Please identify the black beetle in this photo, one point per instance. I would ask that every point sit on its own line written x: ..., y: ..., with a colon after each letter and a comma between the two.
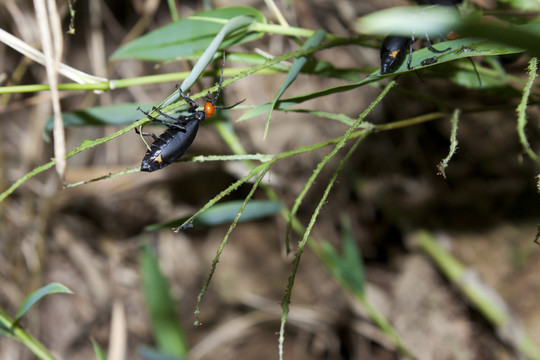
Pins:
x: 394, y: 47
x: 174, y: 142
x: 393, y: 51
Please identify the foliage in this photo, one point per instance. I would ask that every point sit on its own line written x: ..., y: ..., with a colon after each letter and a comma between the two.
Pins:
x: 203, y: 36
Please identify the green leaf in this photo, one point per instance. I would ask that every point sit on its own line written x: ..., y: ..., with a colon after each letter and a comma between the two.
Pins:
x: 297, y: 66
x: 462, y: 73
x: 348, y: 269
x: 34, y: 297
x: 189, y: 36
x: 469, y: 79
x: 226, y: 212
x: 408, y: 21
x: 354, y: 266
x: 167, y: 330
x: 524, y: 37
x: 5, y: 331
x: 100, y: 355
x: 526, y: 5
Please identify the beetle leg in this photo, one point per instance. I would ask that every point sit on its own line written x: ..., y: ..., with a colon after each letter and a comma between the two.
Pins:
x: 193, y: 103
x: 146, y: 134
x: 175, y: 124
x: 143, y: 135
x: 409, y: 59
x: 476, y: 71
x: 432, y: 49
x: 166, y: 123
x: 163, y: 114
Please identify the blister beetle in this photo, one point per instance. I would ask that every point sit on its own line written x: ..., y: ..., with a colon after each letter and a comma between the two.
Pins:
x: 393, y: 52
x: 174, y: 142
x: 394, y: 48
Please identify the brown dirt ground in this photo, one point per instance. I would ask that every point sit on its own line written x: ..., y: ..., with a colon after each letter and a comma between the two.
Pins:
x: 87, y: 237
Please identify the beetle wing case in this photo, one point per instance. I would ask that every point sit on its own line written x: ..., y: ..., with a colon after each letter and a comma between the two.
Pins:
x: 170, y: 146
x: 393, y: 52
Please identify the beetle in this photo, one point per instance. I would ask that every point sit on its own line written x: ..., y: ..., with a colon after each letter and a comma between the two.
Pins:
x: 393, y: 51
x: 174, y: 142
x: 394, y: 48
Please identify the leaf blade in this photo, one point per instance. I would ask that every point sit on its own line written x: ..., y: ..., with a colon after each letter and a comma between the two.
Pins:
x: 166, y: 327
x: 188, y: 36
x: 37, y: 295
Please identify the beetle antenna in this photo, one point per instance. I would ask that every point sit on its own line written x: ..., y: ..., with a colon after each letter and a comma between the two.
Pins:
x: 230, y: 106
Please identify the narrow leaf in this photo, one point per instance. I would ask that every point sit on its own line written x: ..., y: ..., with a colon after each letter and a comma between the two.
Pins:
x: 408, y: 21
x: 354, y: 266
x: 100, y: 355
x: 224, y: 213
x: 525, y: 5
x: 5, y: 331
x: 34, y: 297
x: 189, y: 36
x: 168, y: 332
x: 297, y: 66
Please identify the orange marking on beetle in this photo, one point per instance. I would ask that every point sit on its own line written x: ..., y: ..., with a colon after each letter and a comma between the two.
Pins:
x: 209, y: 109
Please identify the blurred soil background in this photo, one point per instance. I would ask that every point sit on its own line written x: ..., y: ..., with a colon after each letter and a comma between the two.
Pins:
x: 87, y: 237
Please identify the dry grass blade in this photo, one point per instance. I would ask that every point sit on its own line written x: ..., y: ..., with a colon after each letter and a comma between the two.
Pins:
x: 51, y: 39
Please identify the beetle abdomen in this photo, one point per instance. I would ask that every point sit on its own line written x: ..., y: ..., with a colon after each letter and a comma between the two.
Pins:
x: 169, y: 147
